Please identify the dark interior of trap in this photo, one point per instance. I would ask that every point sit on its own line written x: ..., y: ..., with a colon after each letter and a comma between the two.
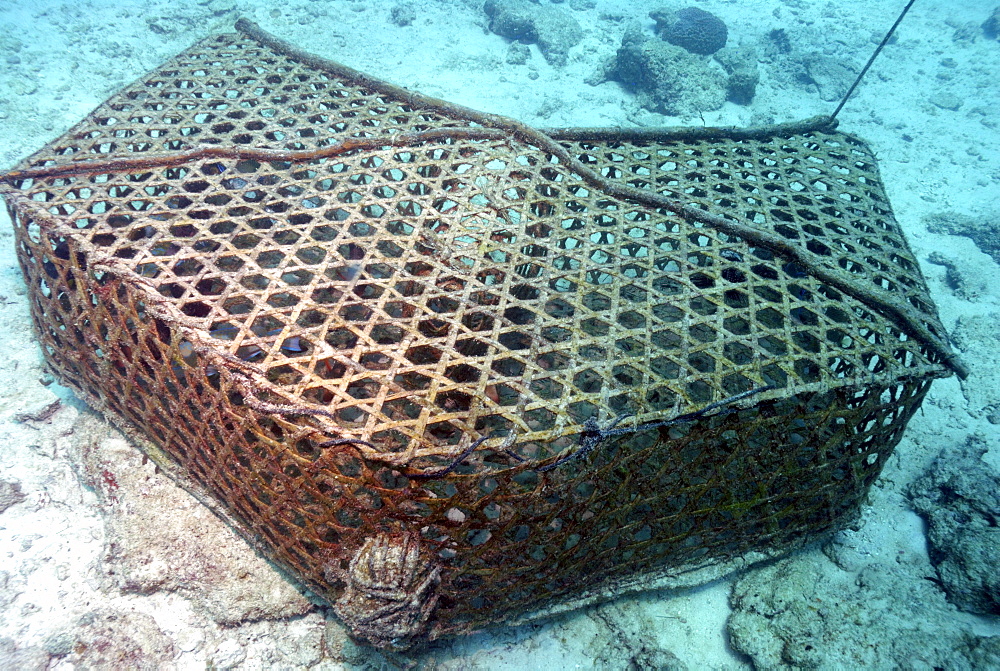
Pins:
x: 452, y: 371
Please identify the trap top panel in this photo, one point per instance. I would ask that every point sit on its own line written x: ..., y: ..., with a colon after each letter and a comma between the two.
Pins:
x: 337, y: 232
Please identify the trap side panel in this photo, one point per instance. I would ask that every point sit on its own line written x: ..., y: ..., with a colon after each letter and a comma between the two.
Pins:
x: 163, y: 345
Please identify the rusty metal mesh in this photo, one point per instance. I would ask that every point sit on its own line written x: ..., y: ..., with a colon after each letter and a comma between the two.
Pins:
x: 314, y: 291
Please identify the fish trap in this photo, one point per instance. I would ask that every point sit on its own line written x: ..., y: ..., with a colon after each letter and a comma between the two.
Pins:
x: 452, y: 371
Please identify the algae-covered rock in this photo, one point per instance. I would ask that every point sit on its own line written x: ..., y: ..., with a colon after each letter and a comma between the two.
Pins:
x: 831, y: 76
x: 119, y: 639
x: 991, y: 26
x: 554, y: 30
x: 666, y: 78
x: 694, y: 29
x: 10, y: 494
x: 744, y: 74
x: 959, y: 496
x: 798, y: 614
x: 982, y: 230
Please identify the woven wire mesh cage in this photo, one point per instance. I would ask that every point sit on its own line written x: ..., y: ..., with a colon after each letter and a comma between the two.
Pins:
x: 452, y: 371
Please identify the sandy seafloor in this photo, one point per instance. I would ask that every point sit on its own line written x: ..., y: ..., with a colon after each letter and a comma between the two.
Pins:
x: 931, y: 110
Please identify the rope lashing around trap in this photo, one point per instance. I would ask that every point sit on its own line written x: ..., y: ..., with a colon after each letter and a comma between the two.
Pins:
x: 878, y: 50
x: 592, y: 435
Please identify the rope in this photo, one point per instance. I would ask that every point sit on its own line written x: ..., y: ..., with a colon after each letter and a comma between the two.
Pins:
x: 878, y: 50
